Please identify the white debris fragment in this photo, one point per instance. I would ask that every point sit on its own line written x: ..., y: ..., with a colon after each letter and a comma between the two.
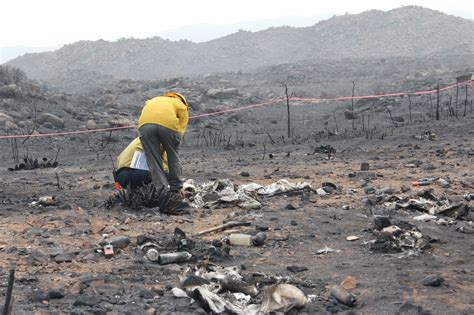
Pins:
x: 241, y: 297
x: 352, y: 238
x: 282, y: 298
x: 327, y: 250
x: 321, y: 192
x: 179, y: 293
x: 425, y: 217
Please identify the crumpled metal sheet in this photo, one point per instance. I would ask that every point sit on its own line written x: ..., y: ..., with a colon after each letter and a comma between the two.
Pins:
x: 278, y: 298
x: 281, y: 186
x: 224, y: 191
x: 281, y: 298
x: 429, y: 203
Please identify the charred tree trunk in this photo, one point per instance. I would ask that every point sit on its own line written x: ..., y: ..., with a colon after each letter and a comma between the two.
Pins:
x: 437, y: 103
x: 352, y: 105
x: 409, y: 106
x: 288, y: 110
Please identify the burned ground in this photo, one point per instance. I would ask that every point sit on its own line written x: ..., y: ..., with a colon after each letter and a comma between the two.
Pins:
x: 57, y: 270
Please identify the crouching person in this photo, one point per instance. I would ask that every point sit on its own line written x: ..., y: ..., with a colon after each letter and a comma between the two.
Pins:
x: 132, y: 168
x: 163, y: 122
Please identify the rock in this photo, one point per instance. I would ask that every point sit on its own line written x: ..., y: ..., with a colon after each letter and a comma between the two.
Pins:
x: 109, y: 100
x: 352, y: 238
x: 296, y: 268
x: 425, y: 217
x: 151, y: 311
x: 290, y: 207
x: 55, y: 294
x: 293, y: 223
x: 121, y: 122
x: 147, y: 294
x: 245, y: 174
x: 370, y: 190
x: 381, y: 222
x: 77, y: 288
x: 69, y: 108
x: 37, y: 258
x: 92, y: 124
x: 404, y: 189
x: 40, y: 296
x: 52, y: 119
x: 366, y: 175
x: 429, y: 167
x: 10, y: 126
x: 364, y: 166
x: 386, y: 191
x: 433, y: 280
x: 36, y: 231
x: 86, y: 300
x: 321, y: 192
x: 117, y: 242
x: 67, y: 257
x: 4, y: 118
x: 86, y: 255
x: 222, y: 93
x: 48, y: 125
x: 261, y: 228
x: 409, y: 308
x: 55, y: 252
x: 444, y: 183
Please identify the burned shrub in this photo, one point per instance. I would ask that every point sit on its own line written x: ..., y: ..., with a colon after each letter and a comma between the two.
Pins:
x: 11, y: 75
x: 146, y: 196
x: 10, y: 91
x: 31, y: 164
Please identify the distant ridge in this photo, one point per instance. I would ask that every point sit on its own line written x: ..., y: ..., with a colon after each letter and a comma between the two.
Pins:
x: 407, y: 32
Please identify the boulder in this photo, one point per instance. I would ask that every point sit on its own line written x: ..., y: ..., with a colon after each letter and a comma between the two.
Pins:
x: 69, y: 108
x: 121, y: 122
x: 10, y: 126
x: 92, y: 124
x: 17, y: 115
x: 4, y: 118
x: 108, y: 100
x: 222, y: 93
x: 54, y: 120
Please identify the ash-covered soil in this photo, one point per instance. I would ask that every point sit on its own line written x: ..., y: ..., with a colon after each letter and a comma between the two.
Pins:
x: 57, y: 270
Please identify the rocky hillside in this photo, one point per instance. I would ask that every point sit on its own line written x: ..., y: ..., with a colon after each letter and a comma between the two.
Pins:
x: 404, y: 32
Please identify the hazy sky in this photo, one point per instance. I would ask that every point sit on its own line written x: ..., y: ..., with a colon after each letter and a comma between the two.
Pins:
x: 58, y: 22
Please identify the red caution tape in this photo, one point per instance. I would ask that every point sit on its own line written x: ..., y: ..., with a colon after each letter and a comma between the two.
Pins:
x: 271, y: 102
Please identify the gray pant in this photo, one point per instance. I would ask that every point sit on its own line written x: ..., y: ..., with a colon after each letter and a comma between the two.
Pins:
x: 152, y: 136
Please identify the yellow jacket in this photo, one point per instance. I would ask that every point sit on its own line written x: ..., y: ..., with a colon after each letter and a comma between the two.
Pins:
x: 167, y: 111
x: 125, y: 158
